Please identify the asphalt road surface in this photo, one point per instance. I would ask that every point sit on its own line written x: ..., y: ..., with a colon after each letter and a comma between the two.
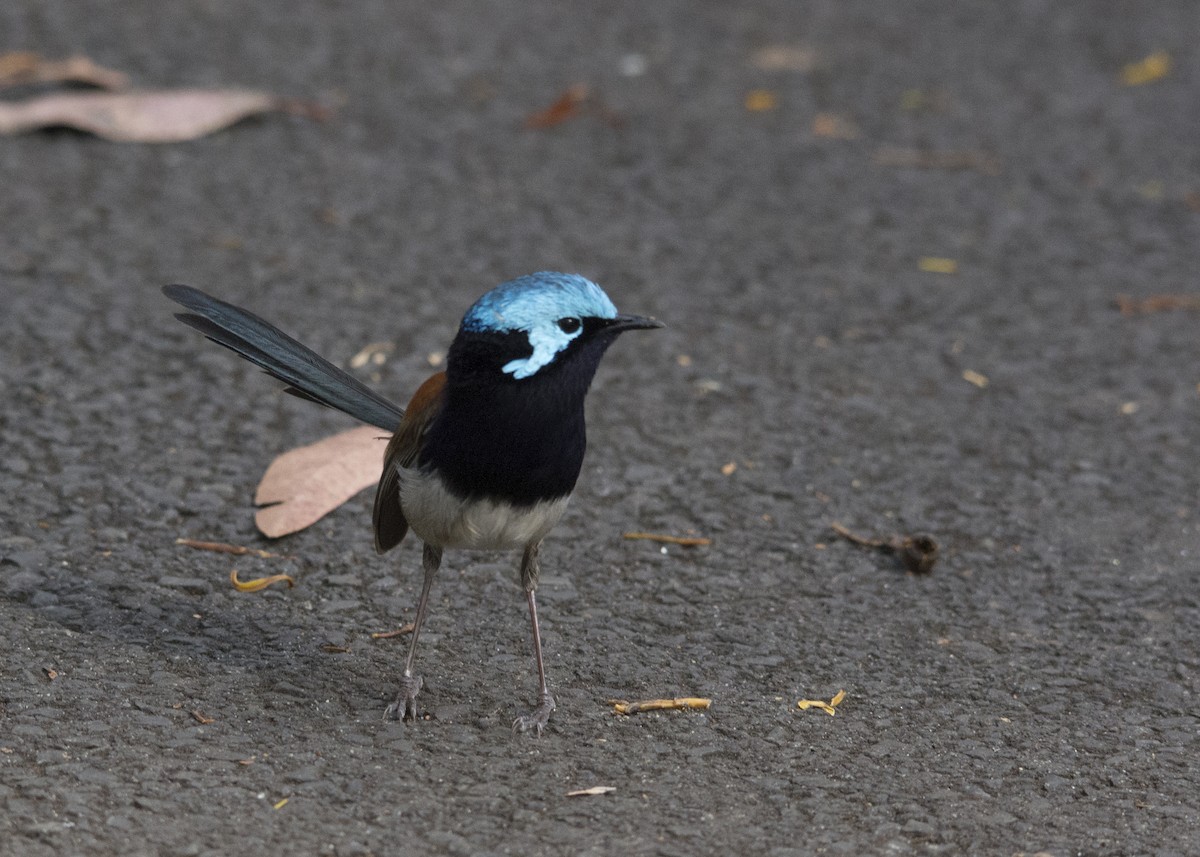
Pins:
x: 888, y: 240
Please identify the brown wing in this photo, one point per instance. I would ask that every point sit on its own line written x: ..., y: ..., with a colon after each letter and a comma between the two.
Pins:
x: 388, y: 518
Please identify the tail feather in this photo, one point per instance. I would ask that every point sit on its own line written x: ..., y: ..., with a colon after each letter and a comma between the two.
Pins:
x: 307, y: 374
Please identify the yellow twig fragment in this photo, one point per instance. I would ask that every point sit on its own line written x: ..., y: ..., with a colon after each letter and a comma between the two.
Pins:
x: 937, y: 265
x: 689, y: 541
x: 829, y: 707
x: 620, y: 706
x: 259, y: 583
x: 977, y: 378
x: 761, y: 100
x: 1148, y: 70
x: 281, y: 804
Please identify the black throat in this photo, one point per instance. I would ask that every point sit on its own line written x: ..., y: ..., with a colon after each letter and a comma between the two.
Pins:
x: 516, y: 440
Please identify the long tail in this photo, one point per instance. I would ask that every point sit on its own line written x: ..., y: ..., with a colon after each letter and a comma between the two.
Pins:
x: 307, y: 374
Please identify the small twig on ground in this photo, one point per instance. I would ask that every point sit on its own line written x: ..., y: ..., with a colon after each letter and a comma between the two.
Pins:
x: 930, y: 159
x: 917, y: 552
x: 1156, y: 303
x: 221, y: 547
x: 620, y: 706
x: 399, y: 632
x: 687, y: 541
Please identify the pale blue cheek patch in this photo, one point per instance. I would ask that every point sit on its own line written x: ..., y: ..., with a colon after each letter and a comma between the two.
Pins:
x: 547, y: 340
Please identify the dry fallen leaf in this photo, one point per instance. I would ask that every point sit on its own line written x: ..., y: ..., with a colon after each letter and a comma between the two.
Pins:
x: 51, y: 673
x: 594, y: 790
x: 259, y: 583
x: 144, y: 116
x: 828, y: 707
x: 22, y: 68
x: 305, y: 484
x: 620, y: 706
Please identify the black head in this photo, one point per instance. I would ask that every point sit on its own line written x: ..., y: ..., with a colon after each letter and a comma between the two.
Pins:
x: 512, y: 426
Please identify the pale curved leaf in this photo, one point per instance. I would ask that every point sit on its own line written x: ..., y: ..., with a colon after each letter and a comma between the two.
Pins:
x: 140, y: 116
x: 303, y: 485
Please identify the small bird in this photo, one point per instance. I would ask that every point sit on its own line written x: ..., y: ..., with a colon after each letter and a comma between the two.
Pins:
x: 487, y: 453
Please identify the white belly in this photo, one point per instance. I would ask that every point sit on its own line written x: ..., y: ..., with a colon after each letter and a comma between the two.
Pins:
x: 440, y: 518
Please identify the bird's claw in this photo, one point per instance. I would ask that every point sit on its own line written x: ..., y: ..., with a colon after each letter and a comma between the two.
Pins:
x: 404, y: 706
x: 536, y: 719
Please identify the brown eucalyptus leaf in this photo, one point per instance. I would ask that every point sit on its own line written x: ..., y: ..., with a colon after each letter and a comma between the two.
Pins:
x: 141, y: 116
x: 304, y: 484
x: 22, y: 68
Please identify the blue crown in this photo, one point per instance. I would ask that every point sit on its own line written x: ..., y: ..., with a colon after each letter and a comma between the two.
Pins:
x: 546, y: 296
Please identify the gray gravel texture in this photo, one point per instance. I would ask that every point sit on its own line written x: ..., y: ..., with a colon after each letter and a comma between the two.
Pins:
x: 1036, y: 693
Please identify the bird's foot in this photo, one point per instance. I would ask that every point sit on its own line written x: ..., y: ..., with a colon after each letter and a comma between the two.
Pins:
x: 404, y: 706
x: 538, y: 718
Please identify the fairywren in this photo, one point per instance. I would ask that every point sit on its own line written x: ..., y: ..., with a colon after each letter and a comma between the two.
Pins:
x: 487, y: 453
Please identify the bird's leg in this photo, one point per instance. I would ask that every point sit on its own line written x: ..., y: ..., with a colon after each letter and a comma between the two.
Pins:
x: 405, y: 704
x: 540, y: 716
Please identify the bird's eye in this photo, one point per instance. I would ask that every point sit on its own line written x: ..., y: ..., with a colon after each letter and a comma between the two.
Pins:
x: 570, y: 324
